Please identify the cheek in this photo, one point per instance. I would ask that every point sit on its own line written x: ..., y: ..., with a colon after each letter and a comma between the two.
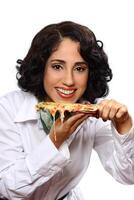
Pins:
x: 82, y: 81
x: 51, y: 78
x: 46, y: 80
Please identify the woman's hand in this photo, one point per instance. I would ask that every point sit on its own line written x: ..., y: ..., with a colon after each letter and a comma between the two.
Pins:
x: 61, y: 130
x: 117, y: 113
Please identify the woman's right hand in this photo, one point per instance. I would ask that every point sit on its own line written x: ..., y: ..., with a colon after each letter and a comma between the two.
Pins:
x: 61, y: 130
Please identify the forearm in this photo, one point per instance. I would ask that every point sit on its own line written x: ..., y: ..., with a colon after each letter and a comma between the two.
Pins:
x: 26, y: 174
x: 123, y: 158
x: 116, y: 152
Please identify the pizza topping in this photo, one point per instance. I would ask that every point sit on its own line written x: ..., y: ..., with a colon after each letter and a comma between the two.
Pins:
x: 53, y: 107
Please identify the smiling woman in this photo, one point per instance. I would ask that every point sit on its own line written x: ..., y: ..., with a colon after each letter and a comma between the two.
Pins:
x: 68, y: 71
x: 65, y: 44
x: 42, y: 155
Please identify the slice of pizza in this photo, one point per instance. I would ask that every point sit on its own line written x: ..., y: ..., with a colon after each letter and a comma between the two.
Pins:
x: 53, y: 107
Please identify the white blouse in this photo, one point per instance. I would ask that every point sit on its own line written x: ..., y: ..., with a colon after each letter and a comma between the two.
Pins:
x: 32, y: 168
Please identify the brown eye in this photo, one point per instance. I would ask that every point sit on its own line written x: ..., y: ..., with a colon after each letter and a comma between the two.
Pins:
x: 80, y: 68
x: 57, y: 66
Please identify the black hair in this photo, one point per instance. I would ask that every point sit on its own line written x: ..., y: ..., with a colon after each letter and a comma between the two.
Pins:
x: 30, y: 70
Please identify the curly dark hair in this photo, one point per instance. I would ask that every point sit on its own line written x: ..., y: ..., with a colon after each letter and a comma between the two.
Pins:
x: 30, y: 70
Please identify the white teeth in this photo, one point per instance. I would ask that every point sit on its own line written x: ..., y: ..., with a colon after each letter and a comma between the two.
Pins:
x: 65, y: 91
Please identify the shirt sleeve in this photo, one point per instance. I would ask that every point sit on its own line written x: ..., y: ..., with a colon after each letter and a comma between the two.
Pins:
x: 116, y: 151
x: 75, y: 194
x: 20, y: 173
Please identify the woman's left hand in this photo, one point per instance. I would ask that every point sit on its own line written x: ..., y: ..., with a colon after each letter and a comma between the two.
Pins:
x: 117, y: 113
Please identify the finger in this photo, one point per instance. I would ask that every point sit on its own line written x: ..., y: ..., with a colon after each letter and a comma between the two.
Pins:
x: 68, y: 123
x: 68, y: 127
x: 101, y: 107
x: 74, y: 118
x: 122, y: 113
x: 105, y: 109
x: 114, y: 110
x: 78, y: 122
x: 108, y: 109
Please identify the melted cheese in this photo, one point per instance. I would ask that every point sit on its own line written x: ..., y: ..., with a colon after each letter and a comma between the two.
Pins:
x: 53, y: 107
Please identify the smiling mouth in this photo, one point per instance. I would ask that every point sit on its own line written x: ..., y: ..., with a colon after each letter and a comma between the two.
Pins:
x: 65, y: 92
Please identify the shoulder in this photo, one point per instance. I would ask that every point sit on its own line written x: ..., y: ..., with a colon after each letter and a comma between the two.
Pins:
x: 12, y: 101
x: 13, y: 97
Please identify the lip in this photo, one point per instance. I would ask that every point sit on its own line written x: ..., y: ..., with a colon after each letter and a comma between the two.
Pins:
x: 65, y: 92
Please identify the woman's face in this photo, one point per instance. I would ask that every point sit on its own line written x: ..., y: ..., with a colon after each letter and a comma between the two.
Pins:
x: 66, y: 73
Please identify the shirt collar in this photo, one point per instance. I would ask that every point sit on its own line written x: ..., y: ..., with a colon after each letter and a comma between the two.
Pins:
x: 27, y: 110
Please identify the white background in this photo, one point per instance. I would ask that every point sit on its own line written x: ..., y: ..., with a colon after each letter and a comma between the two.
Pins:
x: 112, y: 22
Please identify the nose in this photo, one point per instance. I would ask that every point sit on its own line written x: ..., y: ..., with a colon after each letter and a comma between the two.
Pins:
x: 68, y: 78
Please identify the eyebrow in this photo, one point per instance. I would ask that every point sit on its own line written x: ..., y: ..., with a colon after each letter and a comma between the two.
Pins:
x: 58, y: 60
x: 62, y: 61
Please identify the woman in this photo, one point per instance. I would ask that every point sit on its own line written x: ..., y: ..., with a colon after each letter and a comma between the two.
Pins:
x: 65, y: 63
